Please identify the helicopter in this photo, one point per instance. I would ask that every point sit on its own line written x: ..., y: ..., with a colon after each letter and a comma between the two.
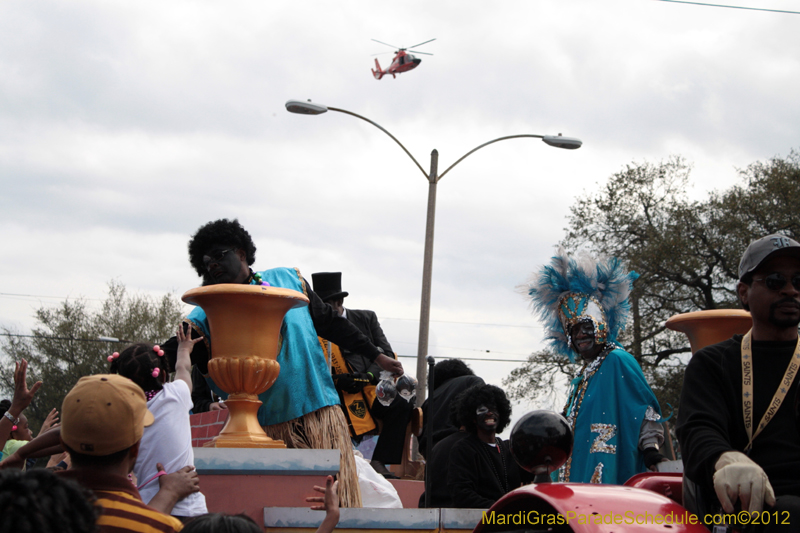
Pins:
x: 403, y: 61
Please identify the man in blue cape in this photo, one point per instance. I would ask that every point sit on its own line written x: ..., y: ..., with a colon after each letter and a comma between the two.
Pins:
x: 613, y: 413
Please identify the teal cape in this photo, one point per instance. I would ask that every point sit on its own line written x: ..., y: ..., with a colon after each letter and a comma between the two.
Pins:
x: 609, y: 422
x: 304, y: 383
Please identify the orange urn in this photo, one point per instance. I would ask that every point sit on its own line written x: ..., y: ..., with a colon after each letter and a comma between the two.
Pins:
x: 710, y: 327
x: 245, y: 323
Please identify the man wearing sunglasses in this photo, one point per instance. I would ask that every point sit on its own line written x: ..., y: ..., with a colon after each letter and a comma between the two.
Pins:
x: 736, y: 424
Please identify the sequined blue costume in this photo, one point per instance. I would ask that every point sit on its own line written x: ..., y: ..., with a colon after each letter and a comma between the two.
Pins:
x: 610, y: 409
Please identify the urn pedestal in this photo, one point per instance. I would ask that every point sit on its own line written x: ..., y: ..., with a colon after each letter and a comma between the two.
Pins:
x: 245, y: 323
x: 710, y: 327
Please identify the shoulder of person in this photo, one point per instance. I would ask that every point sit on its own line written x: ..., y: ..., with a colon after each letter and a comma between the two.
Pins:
x: 719, y: 352
x: 287, y: 270
x: 621, y: 357
x: 465, y: 444
x: 177, y: 388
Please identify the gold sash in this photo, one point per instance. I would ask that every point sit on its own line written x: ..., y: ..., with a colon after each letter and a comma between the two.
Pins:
x: 358, y: 404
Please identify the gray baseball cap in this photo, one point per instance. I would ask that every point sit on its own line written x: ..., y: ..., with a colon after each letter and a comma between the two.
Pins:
x: 764, y: 248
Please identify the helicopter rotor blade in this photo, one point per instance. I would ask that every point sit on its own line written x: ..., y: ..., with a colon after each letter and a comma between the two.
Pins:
x: 418, y: 52
x: 387, y: 44
x: 420, y: 44
x: 381, y: 54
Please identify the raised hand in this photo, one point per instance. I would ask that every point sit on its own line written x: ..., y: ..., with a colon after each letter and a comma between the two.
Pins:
x: 22, y: 395
x: 50, y: 422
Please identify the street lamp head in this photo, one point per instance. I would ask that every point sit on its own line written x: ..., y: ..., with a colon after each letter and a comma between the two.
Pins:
x: 305, y: 108
x: 569, y: 143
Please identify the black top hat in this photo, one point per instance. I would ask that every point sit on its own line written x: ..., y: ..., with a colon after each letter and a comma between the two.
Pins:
x: 328, y: 285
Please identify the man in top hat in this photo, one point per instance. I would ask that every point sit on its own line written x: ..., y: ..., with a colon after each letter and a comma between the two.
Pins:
x: 737, y: 425
x: 613, y: 413
x: 355, y: 377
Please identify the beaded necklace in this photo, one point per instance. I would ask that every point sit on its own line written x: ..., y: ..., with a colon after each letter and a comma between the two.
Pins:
x: 255, y: 279
x: 487, y: 454
x: 575, y: 399
x: 149, y: 395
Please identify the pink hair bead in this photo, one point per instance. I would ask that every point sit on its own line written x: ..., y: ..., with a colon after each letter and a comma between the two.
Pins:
x: 156, y: 372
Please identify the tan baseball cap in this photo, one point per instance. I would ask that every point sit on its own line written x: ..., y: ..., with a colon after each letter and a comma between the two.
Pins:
x: 104, y: 414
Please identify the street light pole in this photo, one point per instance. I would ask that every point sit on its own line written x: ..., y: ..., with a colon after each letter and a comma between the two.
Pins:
x: 427, y: 275
x: 310, y: 108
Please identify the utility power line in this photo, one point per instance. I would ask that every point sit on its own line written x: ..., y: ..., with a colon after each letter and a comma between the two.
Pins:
x: 122, y: 341
x: 467, y: 323
x: 13, y: 295
x: 476, y: 359
x: 732, y: 7
x: 99, y: 339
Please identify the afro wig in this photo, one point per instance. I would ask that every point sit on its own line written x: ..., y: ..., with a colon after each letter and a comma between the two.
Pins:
x: 477, y: 395
x: 225, y: 232
x: 448, y: 369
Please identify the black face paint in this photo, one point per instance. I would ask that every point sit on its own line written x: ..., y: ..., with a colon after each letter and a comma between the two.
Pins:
x: 583, y: 340
x: 487, y: 418
x: 223, y: 264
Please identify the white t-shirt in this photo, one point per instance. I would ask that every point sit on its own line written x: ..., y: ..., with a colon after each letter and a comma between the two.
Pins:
x: 168, y: 441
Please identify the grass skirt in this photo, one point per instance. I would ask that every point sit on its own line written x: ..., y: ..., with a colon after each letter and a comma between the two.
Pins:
x: 324, y: 429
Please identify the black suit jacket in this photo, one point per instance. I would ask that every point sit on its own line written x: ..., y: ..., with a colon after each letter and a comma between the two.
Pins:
x: 367, y: 322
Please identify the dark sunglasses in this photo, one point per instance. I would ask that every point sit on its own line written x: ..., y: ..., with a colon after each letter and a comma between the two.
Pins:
x: 215, y: 256
x: 776, y: 282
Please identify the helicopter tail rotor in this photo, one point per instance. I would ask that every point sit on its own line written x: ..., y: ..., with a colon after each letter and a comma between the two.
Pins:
x: 379, y: 73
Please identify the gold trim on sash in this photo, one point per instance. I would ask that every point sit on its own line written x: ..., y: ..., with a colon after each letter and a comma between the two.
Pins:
x: 357, y: 405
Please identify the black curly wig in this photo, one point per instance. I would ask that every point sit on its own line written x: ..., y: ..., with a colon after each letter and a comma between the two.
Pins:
x: 477, y: 395
x: 225, y: 232
x: 448, y: 369
x: 38, y: 501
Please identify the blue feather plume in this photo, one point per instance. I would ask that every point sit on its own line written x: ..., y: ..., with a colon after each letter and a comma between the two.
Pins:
x: 608, y: 281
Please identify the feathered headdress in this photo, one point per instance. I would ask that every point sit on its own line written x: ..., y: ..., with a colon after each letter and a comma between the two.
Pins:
x: 572, y: 290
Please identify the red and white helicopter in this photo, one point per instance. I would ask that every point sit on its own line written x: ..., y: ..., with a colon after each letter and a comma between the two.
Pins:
x: 403, y: 61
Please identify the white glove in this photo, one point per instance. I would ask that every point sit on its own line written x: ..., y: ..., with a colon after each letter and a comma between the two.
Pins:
x: 736, y: 477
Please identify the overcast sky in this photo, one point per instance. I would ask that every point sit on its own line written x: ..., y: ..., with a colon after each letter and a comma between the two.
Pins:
x: 124, y: 126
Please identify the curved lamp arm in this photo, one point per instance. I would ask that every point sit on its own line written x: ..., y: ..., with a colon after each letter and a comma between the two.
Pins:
x: 386, y: 132
x: 487, y: 144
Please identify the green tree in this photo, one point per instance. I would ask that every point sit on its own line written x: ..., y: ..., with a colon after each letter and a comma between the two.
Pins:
x: 540, y: 379
x: 686, y: 253
x: 63, y: 344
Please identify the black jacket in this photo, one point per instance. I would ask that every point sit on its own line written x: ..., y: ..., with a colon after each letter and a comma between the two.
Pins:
x: 367, y: 322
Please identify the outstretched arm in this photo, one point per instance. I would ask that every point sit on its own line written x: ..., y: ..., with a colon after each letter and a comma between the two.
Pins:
x: 330, y: 504
x: 45, y: 444
x: 339, y: 330
x: 21, y: 400
x: 50, y: 422
x: 183, y: 364
x: 174, y: 487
